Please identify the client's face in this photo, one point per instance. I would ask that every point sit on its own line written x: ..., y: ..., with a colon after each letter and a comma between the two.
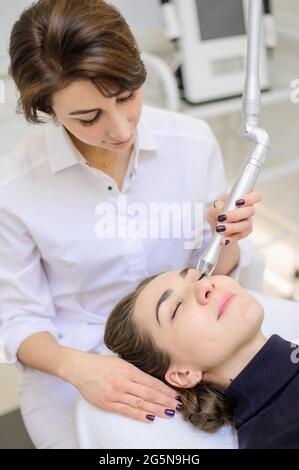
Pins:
x: 200, y: 323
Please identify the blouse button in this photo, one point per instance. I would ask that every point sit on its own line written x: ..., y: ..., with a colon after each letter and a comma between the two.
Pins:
x: 110, y: 188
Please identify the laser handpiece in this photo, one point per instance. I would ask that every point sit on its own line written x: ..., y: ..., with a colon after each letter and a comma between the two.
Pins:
x: 250, y: 171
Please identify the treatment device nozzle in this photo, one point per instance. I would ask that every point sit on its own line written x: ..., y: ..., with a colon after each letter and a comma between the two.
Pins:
x: 205, y: 268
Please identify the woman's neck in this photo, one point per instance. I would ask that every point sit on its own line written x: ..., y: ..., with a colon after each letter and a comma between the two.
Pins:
x: 227, y: 372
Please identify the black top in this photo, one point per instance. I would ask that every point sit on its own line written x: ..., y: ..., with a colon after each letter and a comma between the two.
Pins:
x: 266, y: 398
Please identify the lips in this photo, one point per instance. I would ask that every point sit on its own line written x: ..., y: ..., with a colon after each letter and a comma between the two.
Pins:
x: 224, y: 303
x: 120, y: 143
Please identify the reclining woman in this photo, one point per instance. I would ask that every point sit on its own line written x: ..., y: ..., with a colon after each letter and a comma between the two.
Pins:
x: 204, y: 338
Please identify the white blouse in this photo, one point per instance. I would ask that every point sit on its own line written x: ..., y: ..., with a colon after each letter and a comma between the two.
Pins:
x: 58, y: 273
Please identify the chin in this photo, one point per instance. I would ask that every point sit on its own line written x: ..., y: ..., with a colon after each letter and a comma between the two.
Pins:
x: 254, y: 316
x: 246, y: 313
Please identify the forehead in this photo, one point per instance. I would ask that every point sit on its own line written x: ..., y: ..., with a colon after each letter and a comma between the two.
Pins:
x: 147, y: 299
x: 78, y: 93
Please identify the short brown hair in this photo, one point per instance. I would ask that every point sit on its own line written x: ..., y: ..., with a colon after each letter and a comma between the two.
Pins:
x: 55, y: 42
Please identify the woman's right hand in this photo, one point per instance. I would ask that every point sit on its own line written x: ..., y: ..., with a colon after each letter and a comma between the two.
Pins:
x: 115, y: 385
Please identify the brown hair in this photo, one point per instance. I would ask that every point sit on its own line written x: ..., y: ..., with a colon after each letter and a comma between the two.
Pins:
x: 55, y: 42
x: 205, y: 405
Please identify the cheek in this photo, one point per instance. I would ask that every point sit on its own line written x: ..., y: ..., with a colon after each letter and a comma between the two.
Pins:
x: 195, y: 331
x: 242, y: 322
x: 227, y: 284
x: 87, y: 134
x: 135, y: 110
x: 133, y: 117
x: 93, y: 134
x: 204, y: 344
x: 253, y: 316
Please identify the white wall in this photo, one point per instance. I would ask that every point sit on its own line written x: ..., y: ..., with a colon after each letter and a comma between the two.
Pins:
x: 140, y: 14
x: 9, y: 11
x: 287, y: 13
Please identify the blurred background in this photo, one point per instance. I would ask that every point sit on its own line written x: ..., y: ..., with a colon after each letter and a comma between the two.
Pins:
x: 176, y: 72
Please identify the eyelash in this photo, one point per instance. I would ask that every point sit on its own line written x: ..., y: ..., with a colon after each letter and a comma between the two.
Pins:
x: 97, y: 118
x: 178, y: 304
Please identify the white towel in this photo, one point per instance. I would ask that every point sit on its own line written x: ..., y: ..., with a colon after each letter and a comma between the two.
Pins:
x: 98, y: 429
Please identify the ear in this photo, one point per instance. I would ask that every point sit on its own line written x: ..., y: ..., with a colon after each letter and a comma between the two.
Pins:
x: 183, y: 378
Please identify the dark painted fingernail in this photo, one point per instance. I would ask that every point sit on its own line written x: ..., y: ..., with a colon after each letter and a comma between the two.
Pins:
x: 150, y: 417
x: 240, y: 202
x: 220, y: 228
x: 227, y: 242
x: 179, y: 398
x: 179, y: 407
x: 169, y: 412
x: 222, y: 218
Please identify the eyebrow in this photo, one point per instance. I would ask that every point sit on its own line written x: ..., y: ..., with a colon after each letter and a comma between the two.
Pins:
x: 88, y: 111
x: 167, y: 293
x: 84, y: 111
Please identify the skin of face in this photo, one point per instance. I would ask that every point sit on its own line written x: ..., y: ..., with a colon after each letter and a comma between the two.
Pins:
x: 117, y: 121
x: 201, y: 345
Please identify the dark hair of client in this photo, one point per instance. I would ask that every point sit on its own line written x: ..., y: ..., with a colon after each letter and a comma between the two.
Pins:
x: 206, y: 405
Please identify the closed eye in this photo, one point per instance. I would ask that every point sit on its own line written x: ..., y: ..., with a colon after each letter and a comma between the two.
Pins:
x: 176, y: 309
x: 99, y: 113
x: 180, y: 303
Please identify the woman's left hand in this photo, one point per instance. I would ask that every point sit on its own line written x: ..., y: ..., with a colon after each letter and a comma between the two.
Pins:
x: 236, y: 224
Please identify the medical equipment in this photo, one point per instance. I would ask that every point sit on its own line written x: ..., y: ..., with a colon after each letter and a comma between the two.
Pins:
x: 269, y: 26
x: 251, y: 110
x: 211, y: 40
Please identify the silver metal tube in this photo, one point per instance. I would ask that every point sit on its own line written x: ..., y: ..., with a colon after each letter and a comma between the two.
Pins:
x: 252, y: 89
x: 247, y: 178
x: 244, y: 184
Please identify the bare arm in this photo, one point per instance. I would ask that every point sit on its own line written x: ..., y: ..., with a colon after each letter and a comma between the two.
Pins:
x: 104, y: 381
x: 41, y: 351
x: 228, y: 259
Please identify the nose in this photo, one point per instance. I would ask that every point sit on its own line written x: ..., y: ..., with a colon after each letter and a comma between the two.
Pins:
x: 203, y: 289
x: 120, y: 130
